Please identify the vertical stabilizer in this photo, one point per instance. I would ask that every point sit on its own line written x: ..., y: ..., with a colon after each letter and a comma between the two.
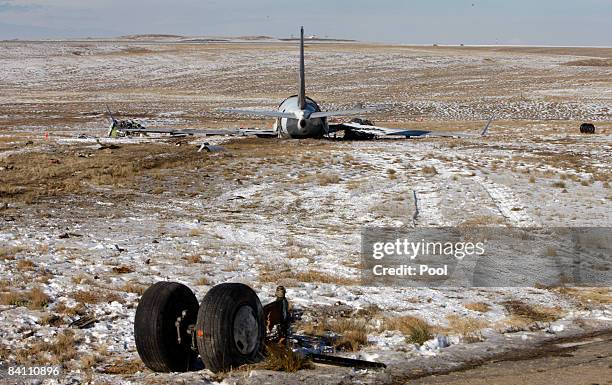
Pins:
x: 302, y: 93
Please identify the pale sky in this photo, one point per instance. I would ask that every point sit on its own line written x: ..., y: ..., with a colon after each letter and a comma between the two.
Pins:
x: 533, y: 22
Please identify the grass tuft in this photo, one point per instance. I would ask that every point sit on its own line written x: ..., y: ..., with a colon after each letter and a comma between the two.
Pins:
x: 480, y: 307
x: 530, y: 313
x: 34, y: 299
x: 282, y: 359
x: 416, y: 330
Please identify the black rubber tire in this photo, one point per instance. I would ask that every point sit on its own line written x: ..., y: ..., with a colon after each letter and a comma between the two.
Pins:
x: 215, y: 327
x: 587, y: 128
x: 155, y: 329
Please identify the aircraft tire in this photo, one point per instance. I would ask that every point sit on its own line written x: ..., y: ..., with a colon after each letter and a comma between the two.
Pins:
x: 155, y: 331
x: 230, y: 329
x: 587, y: 128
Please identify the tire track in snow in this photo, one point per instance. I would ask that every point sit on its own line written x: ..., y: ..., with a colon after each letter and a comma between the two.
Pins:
x: 508, y: 205
x: 427, y: 202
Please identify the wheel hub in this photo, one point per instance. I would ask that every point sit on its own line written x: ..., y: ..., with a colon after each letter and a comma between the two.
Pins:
x: 246, y: 330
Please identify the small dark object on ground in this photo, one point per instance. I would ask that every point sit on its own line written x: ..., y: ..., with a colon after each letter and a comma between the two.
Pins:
x: 83, y: 322
x: 210, y: 148
x: 587, y: 128
x: 364, y: 122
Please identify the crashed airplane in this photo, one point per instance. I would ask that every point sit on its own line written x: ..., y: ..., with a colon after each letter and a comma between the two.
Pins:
x: 300, y: 117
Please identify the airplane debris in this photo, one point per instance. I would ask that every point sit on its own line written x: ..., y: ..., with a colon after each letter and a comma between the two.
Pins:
x: 83, y: 322
x: 179, y: 332
x: 68, y: 235
x: 587, y: 128
x: 210, y: 148
x: 106, y: 146
x: 298, y: 117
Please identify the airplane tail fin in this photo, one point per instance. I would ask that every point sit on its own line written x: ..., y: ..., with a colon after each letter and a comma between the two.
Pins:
x: 302, y: 93
x: 112, y: 129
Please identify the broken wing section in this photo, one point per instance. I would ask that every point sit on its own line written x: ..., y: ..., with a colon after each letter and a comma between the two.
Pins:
x: 205, y: 132
x: 360, y: 130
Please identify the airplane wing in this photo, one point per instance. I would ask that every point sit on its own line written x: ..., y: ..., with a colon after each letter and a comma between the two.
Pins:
x: 371, y: 131
x: 291, y: 115
x: 204, y: 132
x: 325, y: 114
x: 270, y: 114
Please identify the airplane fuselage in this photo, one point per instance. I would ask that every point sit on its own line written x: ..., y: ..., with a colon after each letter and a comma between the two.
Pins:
x: 305, y: 127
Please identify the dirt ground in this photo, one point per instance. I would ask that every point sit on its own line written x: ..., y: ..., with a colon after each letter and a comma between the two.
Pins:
x: 84, y: 229
x: 584, y: 362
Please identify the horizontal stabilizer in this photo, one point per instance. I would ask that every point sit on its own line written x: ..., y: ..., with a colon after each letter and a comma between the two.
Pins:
x: 325, y: 114
x: 270, y: 114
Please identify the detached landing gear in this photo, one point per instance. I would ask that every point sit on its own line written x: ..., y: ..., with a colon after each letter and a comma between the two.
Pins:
x: 227, y: 330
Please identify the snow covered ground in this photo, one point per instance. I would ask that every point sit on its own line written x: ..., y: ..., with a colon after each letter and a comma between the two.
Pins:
x: 264, y: 211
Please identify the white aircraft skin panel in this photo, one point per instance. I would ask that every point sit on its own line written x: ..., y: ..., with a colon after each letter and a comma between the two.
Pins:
x: 301, y: 128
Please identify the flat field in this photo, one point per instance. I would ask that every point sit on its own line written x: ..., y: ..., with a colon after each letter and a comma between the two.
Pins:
x: 83, y: 230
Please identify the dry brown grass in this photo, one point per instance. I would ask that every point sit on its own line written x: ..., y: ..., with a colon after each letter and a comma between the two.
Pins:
x: 416, y: 330
x: 82, y: 279
x: 40, y: 174
x: 124, y: 367
x: 590, y: 63
x: 78, y: 310
x: 35, y: 298
x: 9, y: 252
x: 468, y: 328
x: 288, y: 276
x: 193, y: 258
x: 25, y: 265
x: 96, y: 295
x: 598, y: 295
x: 480, y: 307
x: 50, y: 319
x: 295, y: 252
x: 132, y: 287
x: 195, y: 232
x: 354, y: 184
x: 327, y: 179
x: 482, y: 221
x: 122, y: 269
x: 282, y: 359
x: 559, y: 184
x: 429, y: 170
x: 58, y: 352
x: 353, y: 332
x: 531, y: 313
